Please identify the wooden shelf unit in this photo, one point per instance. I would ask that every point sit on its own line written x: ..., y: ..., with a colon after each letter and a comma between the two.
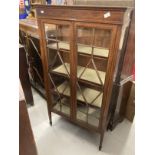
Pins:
x: 29, y: 38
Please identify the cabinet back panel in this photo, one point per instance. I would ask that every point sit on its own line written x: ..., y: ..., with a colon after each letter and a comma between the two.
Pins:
x: 100, y: 63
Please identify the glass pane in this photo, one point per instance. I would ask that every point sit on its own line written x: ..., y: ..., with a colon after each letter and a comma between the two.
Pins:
x: 93, y: 41
x: 89, y: 103
x: 102, y: 38
x: 84, y: 36
x: 58, y: 53
x: 93, y: 46
x: 57, y: 32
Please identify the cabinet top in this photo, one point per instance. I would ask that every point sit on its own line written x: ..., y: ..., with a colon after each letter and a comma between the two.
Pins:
x: 29, y: 26
x: 95, y: 14
x: 86, y: 7
x: 29, y: 22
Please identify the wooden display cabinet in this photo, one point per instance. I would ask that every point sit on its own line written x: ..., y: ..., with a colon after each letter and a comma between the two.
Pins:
x: 81, y: 50
x: 29, y: 37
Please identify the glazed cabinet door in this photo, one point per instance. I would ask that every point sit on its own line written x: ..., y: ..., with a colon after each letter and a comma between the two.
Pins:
x: 57, y: 37
x: 93, y: 45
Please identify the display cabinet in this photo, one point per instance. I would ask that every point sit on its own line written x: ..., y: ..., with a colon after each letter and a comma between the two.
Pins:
x: 29, y: 37
x: 81, y: 49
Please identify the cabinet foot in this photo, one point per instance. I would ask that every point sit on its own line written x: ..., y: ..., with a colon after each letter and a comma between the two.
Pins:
x: 101, y: 140
x: 50, y: 117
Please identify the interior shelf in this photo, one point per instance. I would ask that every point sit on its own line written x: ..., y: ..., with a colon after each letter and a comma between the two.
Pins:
x: 84, y: 49
x: 91, y: 111
x: 90, y: 94
x: 88, y: 75
x: 98, y: 51
x: 64, y: 107
x: 91, y: 119
x: 93, y: 115
x: 62, y: 45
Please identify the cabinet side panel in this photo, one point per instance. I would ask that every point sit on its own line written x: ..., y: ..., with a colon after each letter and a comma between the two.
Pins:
x: 129, y: 59
x: 109, y: 78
